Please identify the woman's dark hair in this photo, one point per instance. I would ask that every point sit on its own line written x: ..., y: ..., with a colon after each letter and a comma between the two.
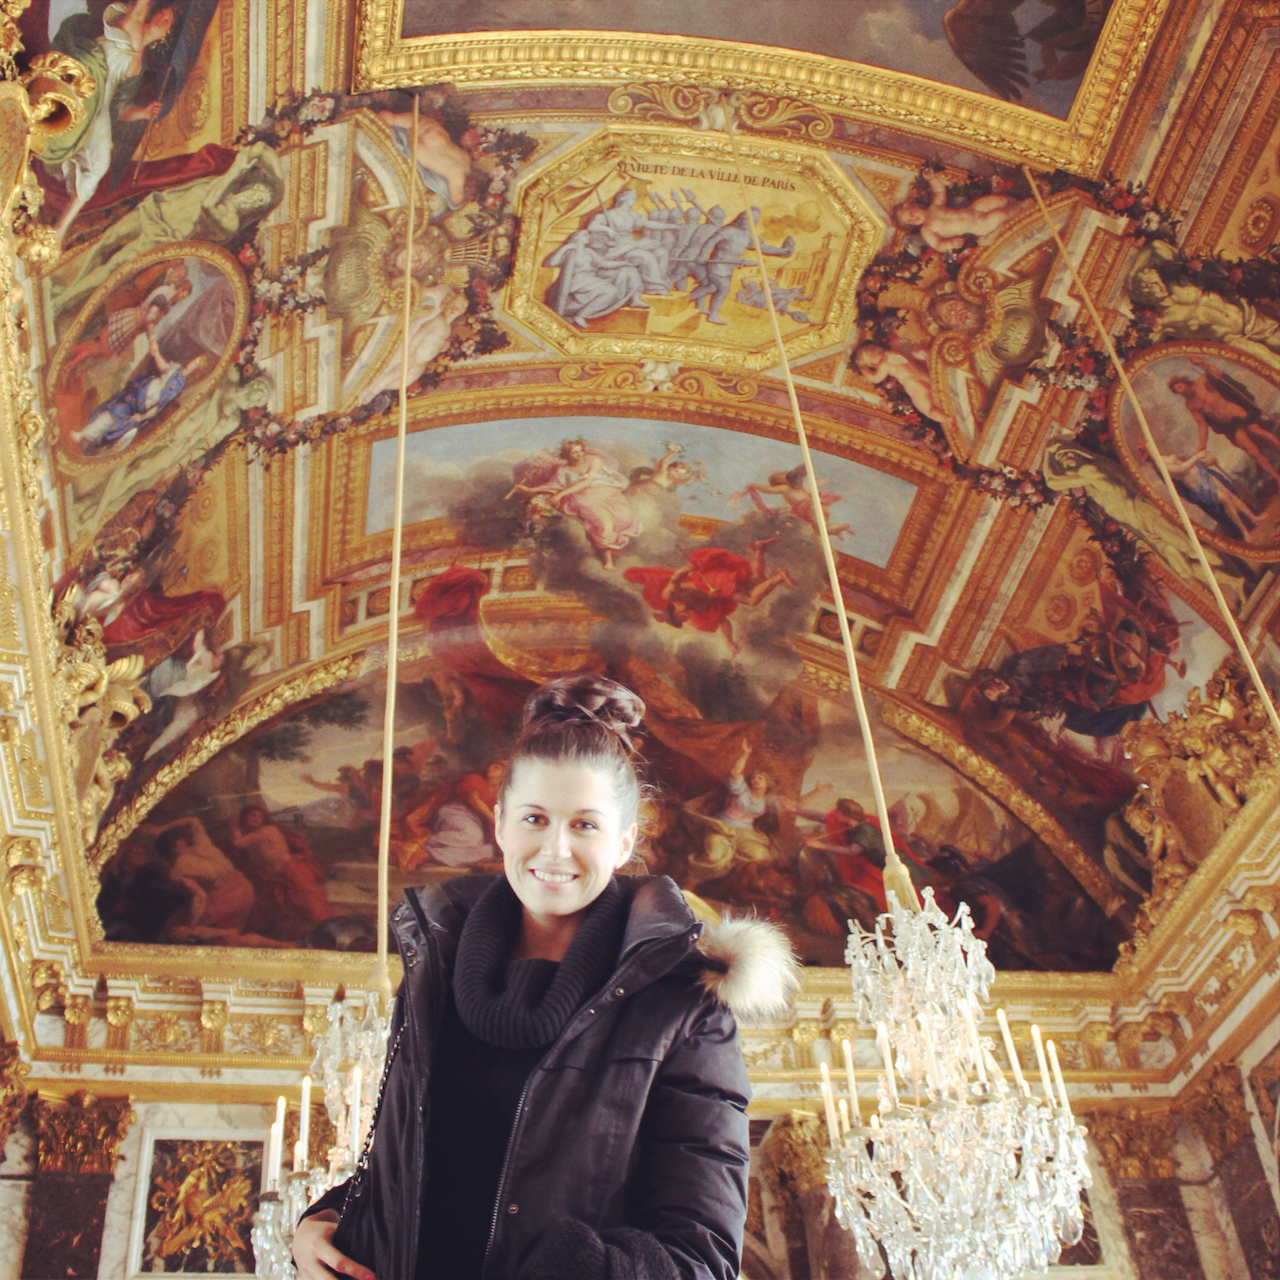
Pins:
x: 587, y: 720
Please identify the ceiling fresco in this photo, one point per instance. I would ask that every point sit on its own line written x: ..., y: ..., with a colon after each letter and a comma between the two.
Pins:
x: 603, y: 472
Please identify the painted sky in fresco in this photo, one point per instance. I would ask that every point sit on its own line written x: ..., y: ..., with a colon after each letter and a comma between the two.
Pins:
x: 875, y: 504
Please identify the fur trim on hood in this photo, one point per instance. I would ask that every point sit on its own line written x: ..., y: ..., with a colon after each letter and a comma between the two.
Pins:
x: 749, y: 966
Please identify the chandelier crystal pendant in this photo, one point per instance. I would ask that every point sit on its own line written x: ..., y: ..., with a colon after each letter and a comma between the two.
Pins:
x: 960, y: 1174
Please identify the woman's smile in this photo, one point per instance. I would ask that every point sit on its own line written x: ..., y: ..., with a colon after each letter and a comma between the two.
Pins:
x: 561, y: 835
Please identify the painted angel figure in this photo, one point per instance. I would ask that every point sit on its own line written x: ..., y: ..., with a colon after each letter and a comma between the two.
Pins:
x: 791, y: 486
x: 946, y: 227
x: 585, y: 485
x: 706, y: 591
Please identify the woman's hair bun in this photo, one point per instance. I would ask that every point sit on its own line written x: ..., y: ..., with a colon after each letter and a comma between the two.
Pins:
x: 586, y: 699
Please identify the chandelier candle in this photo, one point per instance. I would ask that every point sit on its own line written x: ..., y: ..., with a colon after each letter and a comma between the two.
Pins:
x: 1057, y: 1076
x: 304, y: 1121
x: 829, y: 1104
x: 882, y: 1043
x: 1042, y: 1064
x: 1007, y: 1037
x: 851, y: 1080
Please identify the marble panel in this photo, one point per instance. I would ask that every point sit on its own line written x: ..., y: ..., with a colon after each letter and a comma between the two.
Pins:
x: 13, y: 1224
x: 1252, y: 1208
x: 1161, y: 1242
x: 65, y: 1217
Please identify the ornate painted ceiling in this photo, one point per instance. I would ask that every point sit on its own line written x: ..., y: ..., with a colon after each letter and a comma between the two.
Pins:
x: 243, y: 225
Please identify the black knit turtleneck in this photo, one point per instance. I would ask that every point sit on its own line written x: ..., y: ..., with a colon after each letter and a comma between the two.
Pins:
x: 497, y: 1026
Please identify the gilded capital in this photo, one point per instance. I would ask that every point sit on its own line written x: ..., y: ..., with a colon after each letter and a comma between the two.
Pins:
x: 80, y: 1134
x: 13, y: 1089
x: 793, y: 1151
x: 1134, y: 1144
x: 1214, y: 1106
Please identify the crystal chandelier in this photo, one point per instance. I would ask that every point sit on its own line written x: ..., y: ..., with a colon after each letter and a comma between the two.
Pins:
x: 350, y: 1052
x: 960, y: 1174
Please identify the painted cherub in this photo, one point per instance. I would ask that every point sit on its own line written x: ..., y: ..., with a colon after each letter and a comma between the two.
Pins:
x: 878, y: 364
x: 947, y: 228
x: 792, y: 488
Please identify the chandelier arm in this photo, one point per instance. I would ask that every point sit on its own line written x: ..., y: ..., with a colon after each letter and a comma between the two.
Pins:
x: 1184, y: 517
x: 393, y: 622
x: 897, y: 880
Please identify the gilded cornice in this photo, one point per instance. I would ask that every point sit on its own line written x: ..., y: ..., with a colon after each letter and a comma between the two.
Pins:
x: 961, y: 118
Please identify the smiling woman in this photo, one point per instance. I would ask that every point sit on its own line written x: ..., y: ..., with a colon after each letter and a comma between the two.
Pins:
x: 585, y: 1095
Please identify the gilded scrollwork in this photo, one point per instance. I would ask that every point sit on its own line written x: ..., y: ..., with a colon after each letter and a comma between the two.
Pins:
x: 80, y: 1134
x: 1195, y: 771
x: 119, y: 1014
x: 703, y: 108
x: 35, y: 242
x: 58, y: 87
x: 97, y: 699
x: 214, y: 1016
x: 664, y: 377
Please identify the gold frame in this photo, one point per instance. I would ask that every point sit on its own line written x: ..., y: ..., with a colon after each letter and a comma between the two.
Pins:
x: 620, y: 142
x: 1119, y: 410
x: 969, y: 120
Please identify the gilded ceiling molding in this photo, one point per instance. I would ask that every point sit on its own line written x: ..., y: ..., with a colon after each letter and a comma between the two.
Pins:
x: 80, y: 1134
x: 227, y: 732
x: 952, y: 116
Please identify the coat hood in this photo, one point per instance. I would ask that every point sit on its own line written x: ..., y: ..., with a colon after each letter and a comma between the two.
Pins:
x: 750, y: 967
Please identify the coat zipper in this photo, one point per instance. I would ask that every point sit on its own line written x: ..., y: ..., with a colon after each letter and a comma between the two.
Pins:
x: 592, y: 1005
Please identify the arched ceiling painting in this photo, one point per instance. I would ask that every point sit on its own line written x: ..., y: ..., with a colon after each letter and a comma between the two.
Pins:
x: 602, y: 471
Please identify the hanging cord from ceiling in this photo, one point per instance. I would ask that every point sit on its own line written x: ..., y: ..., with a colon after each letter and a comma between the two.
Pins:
x: 1153, y: 450
x: 897, y: 879
x: 393, y: 612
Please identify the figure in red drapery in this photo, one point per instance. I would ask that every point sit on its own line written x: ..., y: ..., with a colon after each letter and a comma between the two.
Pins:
x: 708, y: 590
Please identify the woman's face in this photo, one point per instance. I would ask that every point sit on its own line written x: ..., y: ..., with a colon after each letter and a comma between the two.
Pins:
x: 560, y: 831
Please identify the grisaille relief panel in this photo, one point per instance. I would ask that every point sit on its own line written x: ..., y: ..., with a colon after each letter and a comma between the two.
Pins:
x: 639, y: 244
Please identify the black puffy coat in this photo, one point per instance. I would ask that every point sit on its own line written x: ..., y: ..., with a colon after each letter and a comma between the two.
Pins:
x: 635, y: 1118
